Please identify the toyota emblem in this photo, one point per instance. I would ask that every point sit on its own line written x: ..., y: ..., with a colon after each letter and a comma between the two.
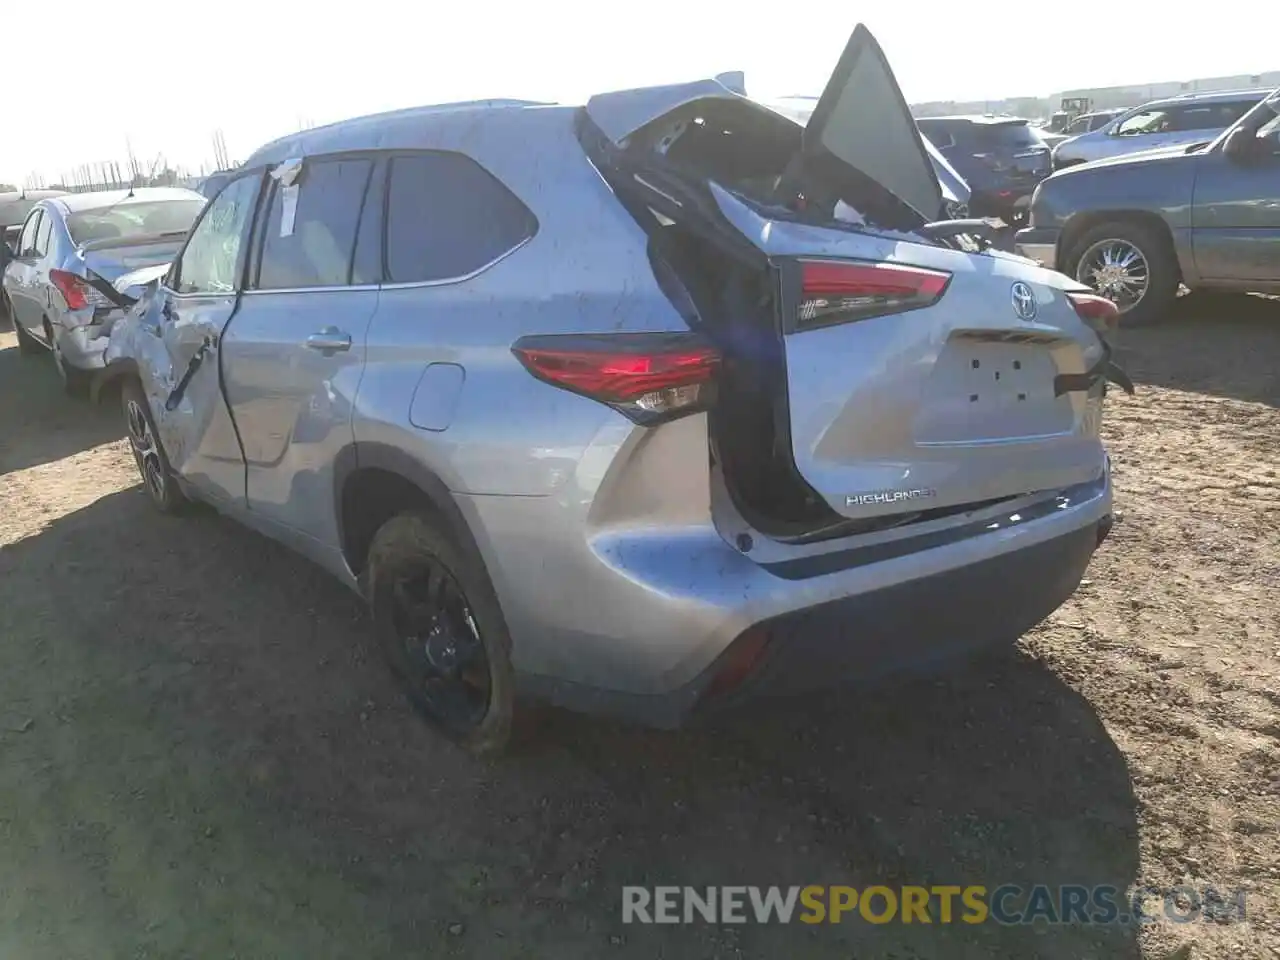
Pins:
x: 1024, y: 301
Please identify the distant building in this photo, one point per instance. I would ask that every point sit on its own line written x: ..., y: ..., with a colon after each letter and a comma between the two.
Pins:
x: 1104, y: 98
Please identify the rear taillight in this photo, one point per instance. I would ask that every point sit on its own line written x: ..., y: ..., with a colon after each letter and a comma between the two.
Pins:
x: 840, y: 291
x: 77, y: 292
x: 1098, y: 312
x: 647, y: 376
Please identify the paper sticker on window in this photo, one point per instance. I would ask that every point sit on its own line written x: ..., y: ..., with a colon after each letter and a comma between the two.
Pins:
x: 288, y: 209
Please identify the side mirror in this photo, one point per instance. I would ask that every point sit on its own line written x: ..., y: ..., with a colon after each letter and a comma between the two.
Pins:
x: 6, y: 254
x: 1241, y: 145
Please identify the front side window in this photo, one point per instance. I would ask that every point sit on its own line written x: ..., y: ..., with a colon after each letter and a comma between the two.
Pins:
x: 211, y: 261
x: 448, y: 217
x: 27, y: 243
x: 310, y: 229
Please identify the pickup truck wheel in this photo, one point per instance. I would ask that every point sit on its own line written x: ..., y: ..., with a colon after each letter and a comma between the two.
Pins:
x: 440, y: 628
x: 153, y: 466
x: 1130, y: 263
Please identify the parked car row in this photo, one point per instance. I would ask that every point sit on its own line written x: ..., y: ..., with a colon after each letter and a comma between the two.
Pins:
x: 704, y: 404
x: 1135, y: 228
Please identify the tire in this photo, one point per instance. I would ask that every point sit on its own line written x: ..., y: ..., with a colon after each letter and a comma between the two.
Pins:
x: 75, y: 382
x: 27, y: 345
x: 407, y: 549
x: 1153, y: 246
x: 153, y: 465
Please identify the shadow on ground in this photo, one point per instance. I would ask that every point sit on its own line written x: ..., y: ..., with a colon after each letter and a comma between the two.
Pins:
x: 203, y: 757
x: 43, y: 424
x: 1236, y: 360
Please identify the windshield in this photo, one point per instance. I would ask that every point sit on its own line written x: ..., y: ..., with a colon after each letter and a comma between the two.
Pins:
x: 131, y: 220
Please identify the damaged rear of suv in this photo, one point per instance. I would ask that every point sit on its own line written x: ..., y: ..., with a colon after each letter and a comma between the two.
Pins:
x: 716, y: 408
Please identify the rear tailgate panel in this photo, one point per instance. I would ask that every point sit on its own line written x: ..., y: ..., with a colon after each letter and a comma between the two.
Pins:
x: 947, y: 405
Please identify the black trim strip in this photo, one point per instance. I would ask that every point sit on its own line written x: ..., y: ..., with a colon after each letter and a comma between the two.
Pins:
x: 805, y: 567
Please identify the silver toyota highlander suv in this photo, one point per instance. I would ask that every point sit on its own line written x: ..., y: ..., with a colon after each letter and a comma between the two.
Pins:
x: 606, y: 406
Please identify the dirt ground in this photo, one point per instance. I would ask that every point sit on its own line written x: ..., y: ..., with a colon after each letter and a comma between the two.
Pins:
x: 201, y: 756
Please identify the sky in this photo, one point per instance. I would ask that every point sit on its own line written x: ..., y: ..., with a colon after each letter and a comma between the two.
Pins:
x: 162, y: 76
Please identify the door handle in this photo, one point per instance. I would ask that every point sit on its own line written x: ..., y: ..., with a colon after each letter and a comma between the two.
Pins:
x: 330, y: 340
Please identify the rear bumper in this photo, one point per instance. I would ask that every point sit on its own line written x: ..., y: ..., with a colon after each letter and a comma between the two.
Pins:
x: 914, y: 625
x: 1039, y: 244
x: 673, y: 635
x: 85, y: 347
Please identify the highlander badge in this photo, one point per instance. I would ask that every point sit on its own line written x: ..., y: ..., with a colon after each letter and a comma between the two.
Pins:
x: 887, y: 496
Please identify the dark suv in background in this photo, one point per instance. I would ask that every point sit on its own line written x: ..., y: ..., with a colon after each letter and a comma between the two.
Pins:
x: 1002, y: 159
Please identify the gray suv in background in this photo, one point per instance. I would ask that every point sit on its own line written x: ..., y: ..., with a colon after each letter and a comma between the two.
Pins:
x: 1178, y: 121
x: 604, y: 405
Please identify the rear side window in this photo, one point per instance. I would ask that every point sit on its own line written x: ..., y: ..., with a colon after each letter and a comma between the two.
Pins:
x: 315, y: 246
x: 448, y: 217
x: 1213, y: 116
x: 42, y: 235
x: 1008, y: 135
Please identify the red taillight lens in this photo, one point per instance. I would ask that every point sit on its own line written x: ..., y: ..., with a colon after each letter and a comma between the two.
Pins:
x: 76, y: 291
x: 648, y: 377
x: 840, y: 291
x: 1095, y: 310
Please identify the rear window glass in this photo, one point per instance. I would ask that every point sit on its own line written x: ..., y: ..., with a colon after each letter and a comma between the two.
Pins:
x: 448, y: 217
x: 134, y: 220
x: 1008, y: 135
x: 939, y: 134
x: 315, y: 248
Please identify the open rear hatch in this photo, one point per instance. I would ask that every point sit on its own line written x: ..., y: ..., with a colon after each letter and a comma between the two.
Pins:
x: 875, y: 372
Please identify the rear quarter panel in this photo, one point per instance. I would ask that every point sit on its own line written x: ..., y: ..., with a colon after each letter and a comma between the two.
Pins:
x: 584, y: 270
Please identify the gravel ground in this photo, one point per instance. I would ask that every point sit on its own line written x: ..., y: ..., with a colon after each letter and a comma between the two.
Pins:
x: 201, y: 756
